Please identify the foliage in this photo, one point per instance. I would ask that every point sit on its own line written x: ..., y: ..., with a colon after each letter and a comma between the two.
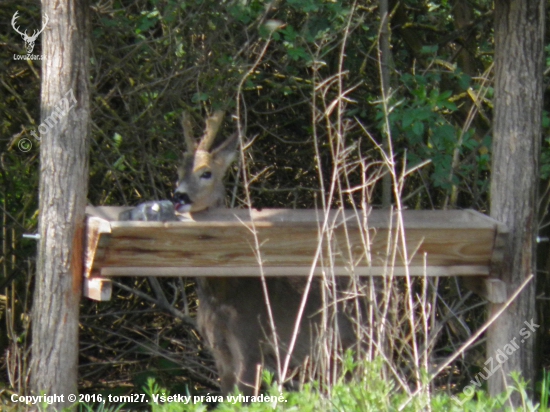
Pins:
x: 316, y: 77
x: 420, y: 120
x: 366, y: 393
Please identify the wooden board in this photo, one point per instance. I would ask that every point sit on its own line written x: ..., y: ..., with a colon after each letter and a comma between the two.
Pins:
x: 221, y: 243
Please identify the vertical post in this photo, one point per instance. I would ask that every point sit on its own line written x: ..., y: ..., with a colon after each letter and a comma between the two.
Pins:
x: 519, y: 51
x: 65, y: 115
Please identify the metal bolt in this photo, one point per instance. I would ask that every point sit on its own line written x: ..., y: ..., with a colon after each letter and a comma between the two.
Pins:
x: 34, y: 236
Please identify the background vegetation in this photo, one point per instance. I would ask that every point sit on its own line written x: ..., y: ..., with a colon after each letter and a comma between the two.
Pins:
x: 297, y: 71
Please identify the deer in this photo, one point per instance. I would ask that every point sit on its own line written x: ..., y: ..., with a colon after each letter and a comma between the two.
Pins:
x: 232, y: 314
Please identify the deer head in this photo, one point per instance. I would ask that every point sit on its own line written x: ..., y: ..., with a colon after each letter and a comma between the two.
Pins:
x: 29, y: 40
x: 200, y: 175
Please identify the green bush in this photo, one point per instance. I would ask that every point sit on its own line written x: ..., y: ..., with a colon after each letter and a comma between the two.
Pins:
x: 368, y: 392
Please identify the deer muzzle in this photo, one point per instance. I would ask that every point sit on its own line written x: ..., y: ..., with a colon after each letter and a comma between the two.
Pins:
x: 182, y: 202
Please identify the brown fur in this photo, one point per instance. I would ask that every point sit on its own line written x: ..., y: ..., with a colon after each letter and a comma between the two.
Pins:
x: 232, y: 314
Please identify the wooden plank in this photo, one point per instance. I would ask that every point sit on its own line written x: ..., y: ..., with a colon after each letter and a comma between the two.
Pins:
x: 95, y: 227
x: 248, y: 271
x: 495, y: 290
x: 375, y: 218
x: 219, y: 242
x: 109, y: 213
x: 97, y: 288
x: 285, y: 245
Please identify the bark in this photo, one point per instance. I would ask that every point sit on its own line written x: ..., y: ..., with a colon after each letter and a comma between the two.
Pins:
x: 64, y: 133
x: 462, y: 18
x: 519, y: 34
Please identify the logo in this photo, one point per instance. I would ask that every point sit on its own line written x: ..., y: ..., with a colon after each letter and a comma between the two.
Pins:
x: 501, y: 356
x: 29, y: 40
x: 58, y: 114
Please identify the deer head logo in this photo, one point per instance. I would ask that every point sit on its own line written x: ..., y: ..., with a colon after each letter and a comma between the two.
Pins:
x: 29, y: 40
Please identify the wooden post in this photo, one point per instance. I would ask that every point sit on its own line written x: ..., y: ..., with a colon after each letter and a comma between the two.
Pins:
x: 519, y: 52
x: 64, y: 132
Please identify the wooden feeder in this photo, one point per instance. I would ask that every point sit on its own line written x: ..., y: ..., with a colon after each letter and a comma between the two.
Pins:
x: 221, y: 242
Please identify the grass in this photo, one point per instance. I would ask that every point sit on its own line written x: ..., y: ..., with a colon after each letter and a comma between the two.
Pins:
x: 368, y: 392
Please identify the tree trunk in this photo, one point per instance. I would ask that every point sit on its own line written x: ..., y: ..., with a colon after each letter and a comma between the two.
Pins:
x: 64, y: 134
x: 519, y: 48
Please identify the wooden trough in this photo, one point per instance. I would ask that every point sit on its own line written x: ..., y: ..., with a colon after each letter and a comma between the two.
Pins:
x: 221, y: 242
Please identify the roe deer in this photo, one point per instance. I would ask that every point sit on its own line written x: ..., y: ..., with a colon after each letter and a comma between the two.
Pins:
x: 232, y: 313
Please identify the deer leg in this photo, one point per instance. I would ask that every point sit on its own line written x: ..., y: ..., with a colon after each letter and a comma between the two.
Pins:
x: 226, y: 369
x: 244, y: 355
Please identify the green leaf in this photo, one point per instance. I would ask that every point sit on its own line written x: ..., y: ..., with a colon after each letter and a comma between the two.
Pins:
x: 464, y: 81
x: 429, y: 49
x: 200, y: 97
x: 289, y: 33
x: 408, y: 119
x: 418, y: 128
x: 297, y: 53
x: 117, y: 138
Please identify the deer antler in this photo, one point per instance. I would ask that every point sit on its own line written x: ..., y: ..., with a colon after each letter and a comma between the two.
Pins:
x: 13, y: 21
x: 43, y: 25
x: 213, y: 124
x: 188, y: 132
x: 45, y: 20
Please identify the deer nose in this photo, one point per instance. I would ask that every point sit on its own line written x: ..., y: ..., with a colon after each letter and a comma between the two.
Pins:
x: 182, y: 198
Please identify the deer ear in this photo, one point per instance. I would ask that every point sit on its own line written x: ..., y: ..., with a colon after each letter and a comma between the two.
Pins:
x: 225, y: 153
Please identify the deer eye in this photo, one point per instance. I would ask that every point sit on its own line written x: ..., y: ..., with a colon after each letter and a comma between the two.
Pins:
x: 206, y: 175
